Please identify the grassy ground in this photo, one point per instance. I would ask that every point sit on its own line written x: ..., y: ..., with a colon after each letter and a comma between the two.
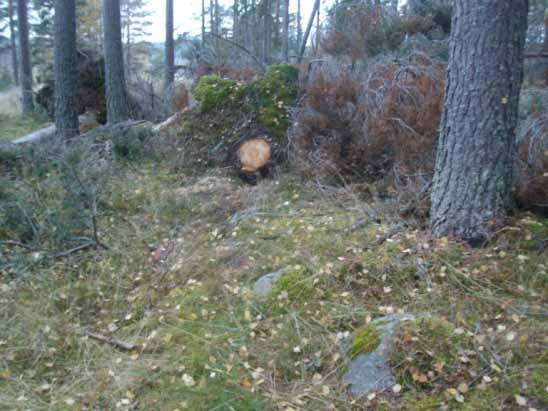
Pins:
x: 184, y: 253
x: 12, y: 124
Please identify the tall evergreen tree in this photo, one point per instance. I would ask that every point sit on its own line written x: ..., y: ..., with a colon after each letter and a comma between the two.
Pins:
x: 169, y: 47
x: 473, y: 174
x: 115, y: 82
x: 66, y: 117
x: 13, y: 42
x: 26, y: 65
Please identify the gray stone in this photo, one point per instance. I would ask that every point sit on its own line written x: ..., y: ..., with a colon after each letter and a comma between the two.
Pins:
x: 372, y: 372
x: 263, y: 286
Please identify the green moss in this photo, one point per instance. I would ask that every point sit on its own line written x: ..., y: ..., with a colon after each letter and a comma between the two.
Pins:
x: 294, y: 287
x: 366, y: 340
x: 273, y: 95
x: 214, y: 92
x: 426, y: 353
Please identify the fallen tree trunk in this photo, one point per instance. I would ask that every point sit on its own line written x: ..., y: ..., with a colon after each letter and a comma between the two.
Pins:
x: 37, y: 135
x: 104, y: 131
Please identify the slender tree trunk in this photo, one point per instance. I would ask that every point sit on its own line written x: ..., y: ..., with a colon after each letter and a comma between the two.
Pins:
x: 546, y: 30
x: 267, y: 33
x: 395, y: 6
x: 309, y: 28
x: 236, y: 22
x: 128, y: 43
x: 473, y: 175
x: 277, y: 25
x: 26, y: 65
x: 66, y: 116
x: 169, y: 48
x: 285, y: 45
x: 115, y: 82
x: 203, y: 24
x: 13, y: 42
x: 299, y: 26
x: 318, y: 33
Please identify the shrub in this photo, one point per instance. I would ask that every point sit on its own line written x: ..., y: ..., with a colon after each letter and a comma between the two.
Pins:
x: 273, y: 95
x: 370, y: 125
x: 214, y: 92
x: 360, y: 31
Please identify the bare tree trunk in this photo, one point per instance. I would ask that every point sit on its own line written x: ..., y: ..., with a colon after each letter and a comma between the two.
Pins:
x: 26, y: 65
x: 236, y: 22
x: 13, y: 43
x: 472, y: 181
x: 115, y: 82
x: 267, y: 30
x: 285, y: 46
x: 66, y: 116
x: 203, y: 24
x: 169, y: 49
x: 309, y: 28
x: 299, y: 26
x: 546, y: 30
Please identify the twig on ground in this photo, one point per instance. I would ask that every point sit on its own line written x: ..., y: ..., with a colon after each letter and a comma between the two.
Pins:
x: 111, y: 341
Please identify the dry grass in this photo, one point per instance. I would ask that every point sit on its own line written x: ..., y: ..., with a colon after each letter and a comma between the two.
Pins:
x: 184, y: 253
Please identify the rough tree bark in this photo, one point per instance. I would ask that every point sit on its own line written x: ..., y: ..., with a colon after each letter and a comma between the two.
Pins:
x: 13, y: 44
x: 472, y: 181
x: 24, y: 49
x: 66, y: 117
x: 116, y: 93
x: 169, y: 48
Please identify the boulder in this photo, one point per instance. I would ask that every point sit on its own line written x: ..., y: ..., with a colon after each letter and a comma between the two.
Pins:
x: 264, y: 285
x: 370, y: 371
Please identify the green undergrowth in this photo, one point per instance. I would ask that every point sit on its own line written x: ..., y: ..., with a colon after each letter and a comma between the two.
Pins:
x: 184, y: 251
x: 231, y: 112
x: 14, y: 126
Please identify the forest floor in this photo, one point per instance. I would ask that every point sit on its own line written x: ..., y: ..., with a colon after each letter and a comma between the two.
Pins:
x: 183, y: 255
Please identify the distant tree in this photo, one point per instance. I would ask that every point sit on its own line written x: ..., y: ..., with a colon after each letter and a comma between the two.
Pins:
x: 66, y: 116
x: 169, y: 47
x: 115, y: 82
x: 135, y: 19
x: 26, y: 65
x: 473, y: 174
x: 285, y: 35
x: 13, y: 42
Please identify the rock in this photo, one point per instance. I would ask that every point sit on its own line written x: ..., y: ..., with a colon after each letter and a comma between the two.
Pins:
x: 371, y: 371
x: 263, y: 286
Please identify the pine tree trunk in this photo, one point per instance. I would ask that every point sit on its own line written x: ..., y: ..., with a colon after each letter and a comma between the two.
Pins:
x: 299, y: 27
x: 66, y: 116
x: 203, y: 24
x: 285, y: 46
x: 236, y: 22
x: 169, y: 47
x: 472, y: 181
x: 26, y: 65
x: 117, y: 100
x: 13, y: 43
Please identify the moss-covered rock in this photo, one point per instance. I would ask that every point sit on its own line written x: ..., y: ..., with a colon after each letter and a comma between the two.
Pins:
x: 366, y: 340
x: 294, y: 287
x: 214, y: 92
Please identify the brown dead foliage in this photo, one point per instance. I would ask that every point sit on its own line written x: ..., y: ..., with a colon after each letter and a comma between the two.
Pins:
x: 532, y: 181
x: 370, y: 124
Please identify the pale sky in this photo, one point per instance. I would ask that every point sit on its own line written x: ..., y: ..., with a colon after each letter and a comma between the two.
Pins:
x: 187, y: 15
